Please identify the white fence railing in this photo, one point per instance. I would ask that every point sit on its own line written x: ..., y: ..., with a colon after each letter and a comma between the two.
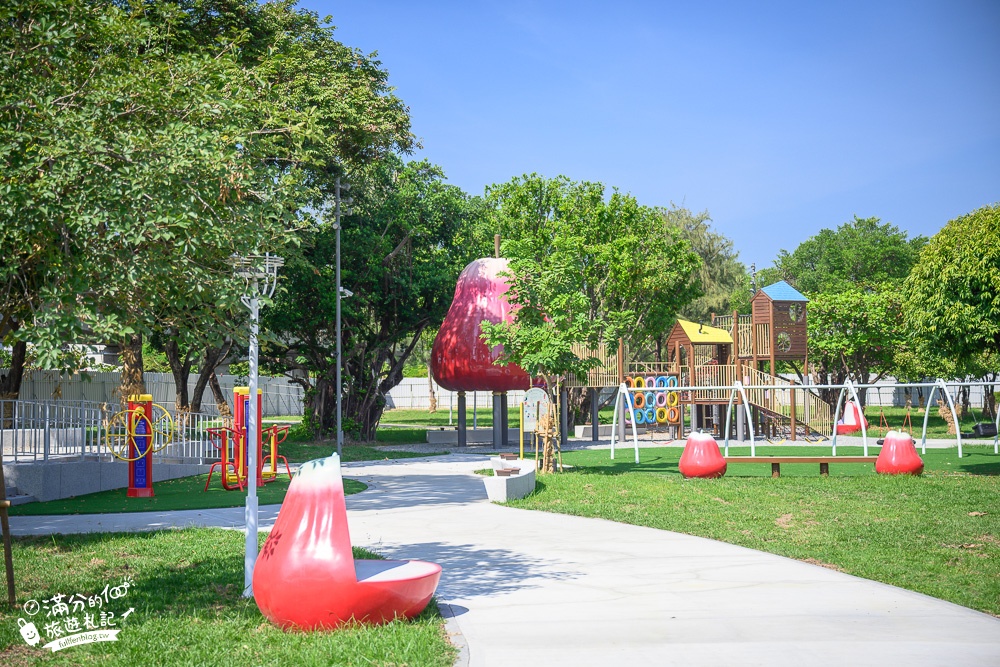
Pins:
x: 414, y: 394
x: 281, y: 397
x: 33, y: 431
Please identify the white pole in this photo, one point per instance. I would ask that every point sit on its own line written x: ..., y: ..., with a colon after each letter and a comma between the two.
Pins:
x: 253, y: 438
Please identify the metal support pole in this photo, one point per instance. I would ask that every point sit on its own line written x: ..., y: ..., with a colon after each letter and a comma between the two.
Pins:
x: 461, y: 419
x: 563, y: 415
x: 253, y: 437
x: 497, y: 419
x: 595, y: 416
x: 339, y: 381
x: 504, y: 427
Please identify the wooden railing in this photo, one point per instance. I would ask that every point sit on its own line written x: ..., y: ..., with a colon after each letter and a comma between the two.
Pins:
x: 810, y: 409
x: 652, y: 368
x: 763, y: 339
x: 745, y: 324
x: 604, y: 375
x: 717, y: 375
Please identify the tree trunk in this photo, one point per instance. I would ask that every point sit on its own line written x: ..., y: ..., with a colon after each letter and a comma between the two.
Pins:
x: 430, y: 389
x: 180, y: 368
x: 220, y: 398
x: 989, y: 403
x: 213, y: 357
x: 10, y: 384
x: 945, y: 413
x: 132, y: 383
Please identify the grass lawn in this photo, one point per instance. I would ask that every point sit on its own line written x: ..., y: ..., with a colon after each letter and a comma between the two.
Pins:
x: 187, y: 608
x: 440, y: 417
x: 184, y: 493
x: 938, y: 534
x: 936, y: 426
x: 301, y: 452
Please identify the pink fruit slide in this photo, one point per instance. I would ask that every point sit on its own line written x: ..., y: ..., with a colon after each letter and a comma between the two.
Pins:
x: 306, y: 577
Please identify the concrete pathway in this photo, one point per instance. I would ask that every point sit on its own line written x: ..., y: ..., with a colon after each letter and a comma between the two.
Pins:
x: 545, y: 589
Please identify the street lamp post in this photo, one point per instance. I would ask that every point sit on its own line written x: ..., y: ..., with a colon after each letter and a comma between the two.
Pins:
x: 337, y: 212
x: 261, y: 274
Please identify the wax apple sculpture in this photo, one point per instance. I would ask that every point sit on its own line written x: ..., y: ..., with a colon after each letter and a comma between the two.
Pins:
x: 306, y: 577
x: 701, y: 457
x: 898, y: 456
x: 460, y: 360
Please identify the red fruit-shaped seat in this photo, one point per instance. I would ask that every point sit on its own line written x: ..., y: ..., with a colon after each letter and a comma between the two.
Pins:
x: 306, y: 577
x: 898, y: 456
x: 701, y: 457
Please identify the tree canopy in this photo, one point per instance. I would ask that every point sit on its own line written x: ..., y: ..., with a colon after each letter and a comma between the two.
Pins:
x: 861, y: 252
x: 721, y: 272
x: 584, y: 269
x: 144, y: 144
x: 952, y: 295
x: 402, y: 250
x: 852, y: 276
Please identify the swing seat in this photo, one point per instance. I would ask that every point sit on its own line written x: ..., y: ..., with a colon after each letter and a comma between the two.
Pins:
x: 983, y: 430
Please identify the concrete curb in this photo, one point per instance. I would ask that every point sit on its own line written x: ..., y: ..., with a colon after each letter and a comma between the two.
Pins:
x: 455, y: 635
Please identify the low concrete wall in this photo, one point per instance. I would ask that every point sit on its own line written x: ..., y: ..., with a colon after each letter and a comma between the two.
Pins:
x: 55, y: 480
x: 502, y: 489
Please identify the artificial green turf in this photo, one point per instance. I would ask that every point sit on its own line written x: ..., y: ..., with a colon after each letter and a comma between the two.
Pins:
x: 188, y: 608
x: 938, y: 534
x: 184, y: 493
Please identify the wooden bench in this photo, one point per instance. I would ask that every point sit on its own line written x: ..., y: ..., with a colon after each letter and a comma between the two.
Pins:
x: 823, y: 461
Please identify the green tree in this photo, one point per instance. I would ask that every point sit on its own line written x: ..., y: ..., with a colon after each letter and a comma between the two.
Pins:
x: 855, y: 334
x: 853, y: 276
x: 402, y: 250
x: 721, y: 271
x: 145, y: 145
x: 130, y: 174
x: 864, y: 251
x: 950, y: 296
x: 584, y: 270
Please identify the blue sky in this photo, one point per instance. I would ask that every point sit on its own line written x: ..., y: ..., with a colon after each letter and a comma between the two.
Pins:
x: 779, y: 119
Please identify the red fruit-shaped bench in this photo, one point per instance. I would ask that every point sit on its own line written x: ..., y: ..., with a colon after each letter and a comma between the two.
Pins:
x: 306, y: 577
x: 898, y: 456
x: 701, y: 457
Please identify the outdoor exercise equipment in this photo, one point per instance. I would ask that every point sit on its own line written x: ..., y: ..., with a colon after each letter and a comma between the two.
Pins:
x: 276, y: 435
x: 134, y: 435
x: 231, y: 442
x: 231, y: 463
x: 898, y: 456
x: 306, y: 577
x: 701, y: 457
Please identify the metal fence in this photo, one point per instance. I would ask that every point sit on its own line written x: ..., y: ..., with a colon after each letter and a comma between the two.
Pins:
x: 281, y: 397
x: 414, y: 393
x: 63, y: 430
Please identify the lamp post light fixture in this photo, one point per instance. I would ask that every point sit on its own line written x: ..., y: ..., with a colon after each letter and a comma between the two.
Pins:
x: 261, y: 275
x: 341, y: 206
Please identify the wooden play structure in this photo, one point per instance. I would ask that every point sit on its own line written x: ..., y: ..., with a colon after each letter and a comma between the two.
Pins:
x: 745, y: 348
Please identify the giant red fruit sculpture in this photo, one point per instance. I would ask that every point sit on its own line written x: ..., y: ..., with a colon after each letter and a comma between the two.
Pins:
x: 701, y: 457
x: 898, y: 456
x: 306, y: 577
x: 460, y: 360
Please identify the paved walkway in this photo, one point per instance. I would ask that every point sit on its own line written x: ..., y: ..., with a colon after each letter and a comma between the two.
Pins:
x: 545, y: 589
